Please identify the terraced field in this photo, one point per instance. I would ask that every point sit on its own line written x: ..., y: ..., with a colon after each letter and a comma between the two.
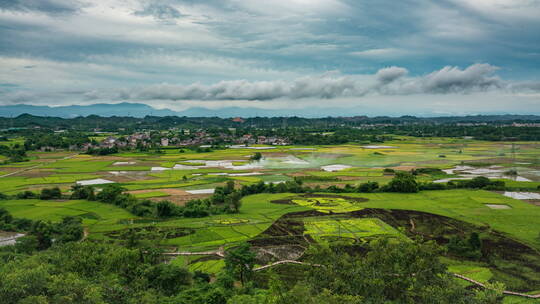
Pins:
x: 283, y: 225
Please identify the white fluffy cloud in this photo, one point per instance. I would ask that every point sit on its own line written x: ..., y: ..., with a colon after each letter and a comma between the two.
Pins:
x: 387, y: 81
x: 390, y: 74
x: 271, y: 53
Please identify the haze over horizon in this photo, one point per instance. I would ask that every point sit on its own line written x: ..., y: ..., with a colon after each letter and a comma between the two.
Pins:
x: 345, y: 57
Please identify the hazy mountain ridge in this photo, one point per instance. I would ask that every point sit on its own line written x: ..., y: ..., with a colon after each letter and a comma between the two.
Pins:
x: 140, y: 110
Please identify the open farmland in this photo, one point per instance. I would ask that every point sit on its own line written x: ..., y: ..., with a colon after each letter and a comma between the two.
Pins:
x: 140, y: 171
x: 282, y: 226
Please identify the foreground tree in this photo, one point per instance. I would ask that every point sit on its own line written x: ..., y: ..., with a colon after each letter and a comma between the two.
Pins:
x: 239, y: 262
x: 391, y: 272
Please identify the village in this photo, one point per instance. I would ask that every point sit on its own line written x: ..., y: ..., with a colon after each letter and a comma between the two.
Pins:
x: 185, y: 138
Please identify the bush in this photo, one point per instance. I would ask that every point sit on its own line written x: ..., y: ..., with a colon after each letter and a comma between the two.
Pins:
x: 469, y: 248
x: 479, y: 182
x: 256, y: 156
x: 50, y: 193
x: 168, y: 278
x: 368, y: 187
x: 26, y: 195
x: 403, y: 182
x: 69, y: 230
x: 83, y: 192
x: 432, y: 186
x: 166, y: 209
x: 430, y: 171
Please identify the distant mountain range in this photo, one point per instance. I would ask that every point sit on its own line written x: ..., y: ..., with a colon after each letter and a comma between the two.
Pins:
x: 101, y: 109
x: 140, y: 110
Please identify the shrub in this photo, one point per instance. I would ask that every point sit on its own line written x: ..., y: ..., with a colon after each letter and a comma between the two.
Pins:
x: 166, y: 209
x: 26, y: 195
x: 432, y: 186
x: 50, y: 193
x: 256, y: 156
x: 83, y: 192
x: 403, y: 182
x: 368, y: 187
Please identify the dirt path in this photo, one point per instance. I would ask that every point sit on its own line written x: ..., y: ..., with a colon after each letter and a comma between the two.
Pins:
x: 220, y: 252
x: 506, y: 292
x: 284, y: 262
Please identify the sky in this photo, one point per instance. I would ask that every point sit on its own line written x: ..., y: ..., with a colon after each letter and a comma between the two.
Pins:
x: 356, y: 57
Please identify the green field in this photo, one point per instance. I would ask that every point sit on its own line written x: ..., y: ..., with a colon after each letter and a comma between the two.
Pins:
x: 319, y: 217
x: 94, y: 214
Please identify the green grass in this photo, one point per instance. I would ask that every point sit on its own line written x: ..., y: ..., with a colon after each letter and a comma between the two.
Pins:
x: 329, y: 205
x: 256, y: 215
x: 79, y: 164
x: 151, y: 194
x: 13, y: 184
x: 324, y: 228
x: 92, y: 213
x: 521, y: 222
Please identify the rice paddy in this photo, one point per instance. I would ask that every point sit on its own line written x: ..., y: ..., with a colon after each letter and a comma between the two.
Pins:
x: 318, y: 217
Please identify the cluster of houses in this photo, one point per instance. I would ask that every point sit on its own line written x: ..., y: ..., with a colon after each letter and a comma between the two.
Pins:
x: 131, y: 141
x: 197, y: 138
x: 262, y: 140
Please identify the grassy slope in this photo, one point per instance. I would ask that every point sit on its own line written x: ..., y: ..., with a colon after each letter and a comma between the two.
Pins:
x: 93, y: 213
x: 522, y: 222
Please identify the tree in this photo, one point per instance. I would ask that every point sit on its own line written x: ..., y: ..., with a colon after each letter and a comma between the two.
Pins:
x: 403, y: 182
x: 239, y: 262
x: 229, y: 187
x: 368, y: 187
x: 234, y: 201
x: 391, y: 272
x: 27, y: 244
x: 82, y: 192
x: 168, y: 278
x: 257, y: 156
x: 165, y: 209
x: 479, y: 182
x: 470, y: 247
x: 50, y: 193
x: 69, y: 230
x: 109, y: 193
x: 43, y: 232
x: 26, y: 195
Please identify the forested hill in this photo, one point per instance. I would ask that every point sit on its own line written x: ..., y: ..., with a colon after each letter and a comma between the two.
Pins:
x: 140, y: 110
x: 158, y: 122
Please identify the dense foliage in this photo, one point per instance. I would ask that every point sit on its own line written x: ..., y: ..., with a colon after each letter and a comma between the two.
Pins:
x: 40, y: 235
x: 87, y: 272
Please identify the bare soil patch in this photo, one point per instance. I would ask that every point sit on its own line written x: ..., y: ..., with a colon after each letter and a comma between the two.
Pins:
x: 404, y: 168
x: 176, y: 196
x: 498, y: 206
x: 35, y: 173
